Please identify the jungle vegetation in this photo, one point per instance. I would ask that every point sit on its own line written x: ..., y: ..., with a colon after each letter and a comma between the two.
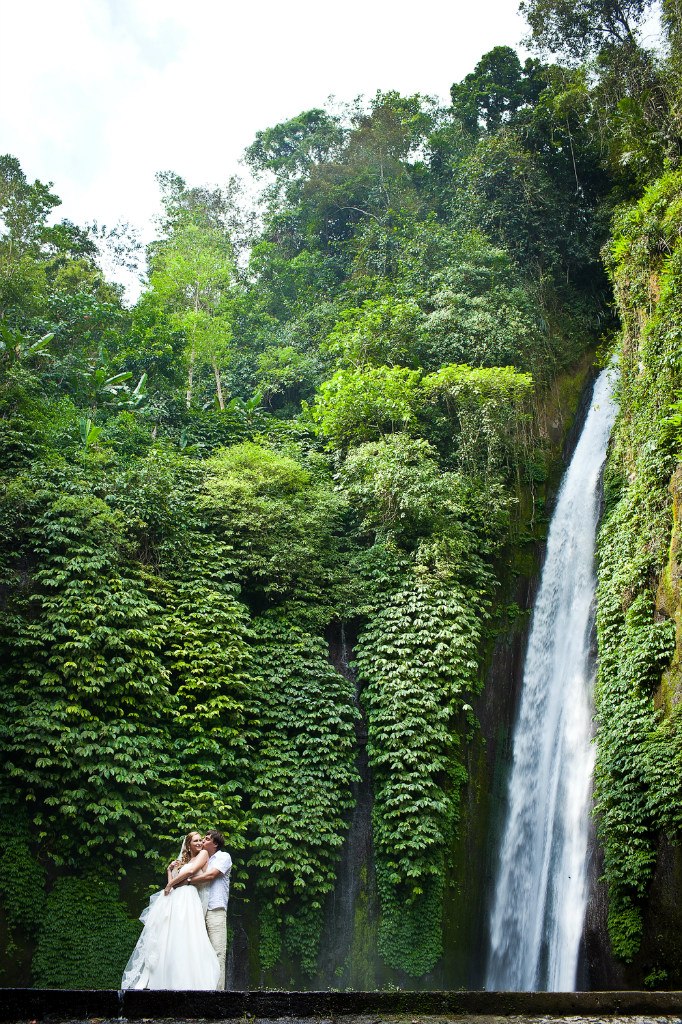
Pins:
x: 327, y: 416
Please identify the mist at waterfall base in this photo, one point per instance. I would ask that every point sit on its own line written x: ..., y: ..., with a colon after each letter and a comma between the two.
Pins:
x: 540, y: 893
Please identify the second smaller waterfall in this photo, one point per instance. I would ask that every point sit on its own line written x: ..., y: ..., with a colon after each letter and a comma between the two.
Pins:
x: 540, y: 893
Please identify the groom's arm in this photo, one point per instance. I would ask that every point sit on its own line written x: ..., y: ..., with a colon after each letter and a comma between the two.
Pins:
x: 205, y: 876
x: 208, y: 876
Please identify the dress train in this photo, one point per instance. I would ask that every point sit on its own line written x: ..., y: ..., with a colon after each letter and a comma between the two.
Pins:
x: 173, y: 950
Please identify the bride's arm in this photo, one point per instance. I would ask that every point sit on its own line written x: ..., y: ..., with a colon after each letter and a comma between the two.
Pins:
x: 186, y: 872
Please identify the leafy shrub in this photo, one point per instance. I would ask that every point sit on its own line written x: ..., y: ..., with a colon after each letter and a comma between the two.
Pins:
x: 86, y: 936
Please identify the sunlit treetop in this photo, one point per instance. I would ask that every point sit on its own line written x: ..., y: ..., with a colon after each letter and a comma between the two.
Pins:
x: 578, y: 28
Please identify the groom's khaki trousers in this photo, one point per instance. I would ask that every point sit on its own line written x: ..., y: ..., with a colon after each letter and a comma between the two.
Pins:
x: 216, y: 926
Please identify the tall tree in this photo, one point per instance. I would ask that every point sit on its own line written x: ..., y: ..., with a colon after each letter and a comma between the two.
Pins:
x: 32, y: 252
x: 193, y: 271
x: 578, y: 28
x: 497, y: 87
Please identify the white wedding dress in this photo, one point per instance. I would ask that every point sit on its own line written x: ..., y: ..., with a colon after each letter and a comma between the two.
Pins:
x: 173, y: 951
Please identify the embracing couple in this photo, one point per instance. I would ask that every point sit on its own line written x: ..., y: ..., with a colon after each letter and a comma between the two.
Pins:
x: 184, y: 939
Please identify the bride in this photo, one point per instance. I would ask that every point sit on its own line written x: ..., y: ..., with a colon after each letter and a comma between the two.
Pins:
x: 174, y: 951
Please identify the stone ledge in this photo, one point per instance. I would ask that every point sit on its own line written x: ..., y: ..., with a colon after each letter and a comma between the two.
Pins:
x: 57, y: 1004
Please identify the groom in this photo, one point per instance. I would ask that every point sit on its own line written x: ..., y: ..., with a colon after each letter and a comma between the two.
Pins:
x: 217, y: 877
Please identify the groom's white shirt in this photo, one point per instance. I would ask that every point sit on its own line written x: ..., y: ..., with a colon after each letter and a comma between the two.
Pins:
x: 219, y: 888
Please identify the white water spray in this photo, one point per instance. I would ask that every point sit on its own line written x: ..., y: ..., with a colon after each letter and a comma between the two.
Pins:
x: 541, y: 886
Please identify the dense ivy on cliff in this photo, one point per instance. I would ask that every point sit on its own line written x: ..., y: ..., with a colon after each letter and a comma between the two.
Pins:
x: 637, y: 780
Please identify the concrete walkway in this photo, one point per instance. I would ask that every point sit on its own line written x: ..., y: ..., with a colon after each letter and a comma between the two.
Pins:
x: 365, y: 1007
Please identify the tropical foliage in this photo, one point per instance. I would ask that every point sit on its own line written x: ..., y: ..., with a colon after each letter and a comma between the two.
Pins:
x: 334, y: 416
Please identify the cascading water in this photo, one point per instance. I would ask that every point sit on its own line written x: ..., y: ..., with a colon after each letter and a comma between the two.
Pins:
x: 541, y: 889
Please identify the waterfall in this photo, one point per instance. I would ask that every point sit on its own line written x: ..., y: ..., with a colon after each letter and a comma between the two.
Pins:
x: 540, y: 894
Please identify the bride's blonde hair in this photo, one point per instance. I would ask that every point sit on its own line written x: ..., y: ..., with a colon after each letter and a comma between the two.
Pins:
x: 185, y: 851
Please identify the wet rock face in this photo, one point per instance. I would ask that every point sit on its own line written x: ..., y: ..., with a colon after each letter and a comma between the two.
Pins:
x: 660, y: 958
x: 597, y: 968
x: 348, y: 957
x: 489, y: 760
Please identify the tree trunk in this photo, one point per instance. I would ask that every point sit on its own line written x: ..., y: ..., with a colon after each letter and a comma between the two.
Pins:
x: 218, y: 382
x: 190, y: 378
x: 193, y: 350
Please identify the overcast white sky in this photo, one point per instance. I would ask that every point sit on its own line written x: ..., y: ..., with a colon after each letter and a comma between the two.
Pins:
x: 99, y: 95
